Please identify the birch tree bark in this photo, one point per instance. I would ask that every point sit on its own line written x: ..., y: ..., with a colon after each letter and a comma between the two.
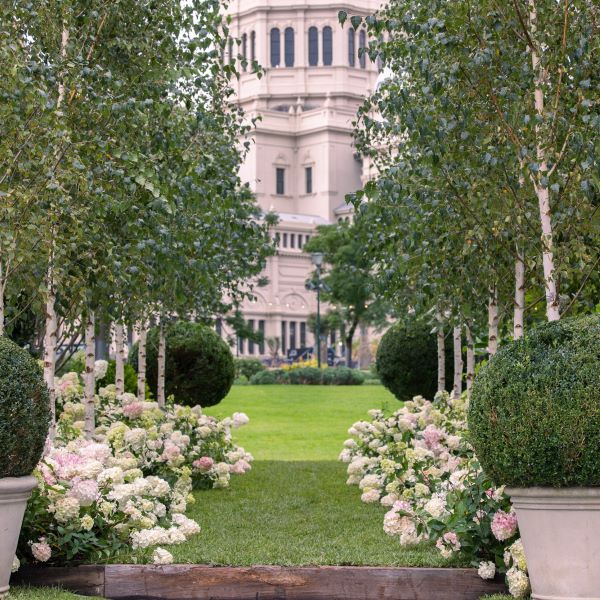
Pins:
x: 519, y: 313
x: 441, y: 356
x: 119, y: 358
x: 162, y: 355
x: 542, y: 191
x: 493, y: 321
x: 141, y: 381
x: 90, y: 380
x: 470, y: 360
x: 51, y: 322
x: 458, y: 363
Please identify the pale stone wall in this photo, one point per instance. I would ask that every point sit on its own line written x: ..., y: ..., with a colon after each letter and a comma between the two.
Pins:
x: 306, y: 122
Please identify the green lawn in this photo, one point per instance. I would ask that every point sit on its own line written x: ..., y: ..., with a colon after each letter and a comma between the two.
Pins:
x: 294, y: 507
x: 294, y: 513
x: 23, y: 592
x: 300, y: 422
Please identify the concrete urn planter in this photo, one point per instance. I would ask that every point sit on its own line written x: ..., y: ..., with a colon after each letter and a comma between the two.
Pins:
x: 560, y: 530
x: 14, y: 493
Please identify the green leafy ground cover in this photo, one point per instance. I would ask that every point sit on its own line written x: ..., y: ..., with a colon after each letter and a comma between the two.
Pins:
x: 294, y: 507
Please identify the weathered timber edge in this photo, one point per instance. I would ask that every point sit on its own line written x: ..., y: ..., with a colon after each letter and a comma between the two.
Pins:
x: 202, y: 582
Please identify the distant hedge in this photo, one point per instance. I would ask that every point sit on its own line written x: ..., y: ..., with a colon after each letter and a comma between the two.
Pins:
x: 309, y: 376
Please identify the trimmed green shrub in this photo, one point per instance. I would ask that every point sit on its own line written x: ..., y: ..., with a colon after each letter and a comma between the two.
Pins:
x: 198, y: 368
x: 309, y: 376
x: 110, y: 377
x: 406, y: 361
x: 248, y: 366
x: 534, y: 417
x: 24, y: 411
x: 264, y: 378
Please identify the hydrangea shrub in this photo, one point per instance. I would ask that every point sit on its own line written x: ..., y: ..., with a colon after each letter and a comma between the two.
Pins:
x: 534, y: 418
x: 24, y: 410
x: 418, y: 463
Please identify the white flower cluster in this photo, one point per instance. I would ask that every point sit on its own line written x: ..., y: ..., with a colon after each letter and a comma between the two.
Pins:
x: 163, y: 442
x: 88, y: 489
x: 417, y: 463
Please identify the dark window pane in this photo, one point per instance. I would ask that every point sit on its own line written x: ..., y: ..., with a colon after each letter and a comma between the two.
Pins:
x: 285, y: 236
x: 292, y: 334
x: 253, y: 45
x: 309, y: 183
x: 292, y: 240
x: 240, y: 346
x: 327, y: 45
x: 219, y: 327
x: 245, y: 49
x: 313, y: 46
x: 283, y: 337
x: 362, y: 41
x: 280, y: 183
x: 351, y: 47
x: 275, y: 47
x: 289, y: 47
x: 261, y: 344
x: 250, y: 342
x: 303, y: 335
x: 230, y: 51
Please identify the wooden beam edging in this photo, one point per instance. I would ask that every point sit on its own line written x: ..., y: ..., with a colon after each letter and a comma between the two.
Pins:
x: 202, y: 582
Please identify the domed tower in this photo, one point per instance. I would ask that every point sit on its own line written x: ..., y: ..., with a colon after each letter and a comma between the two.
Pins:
x: 301, y: 163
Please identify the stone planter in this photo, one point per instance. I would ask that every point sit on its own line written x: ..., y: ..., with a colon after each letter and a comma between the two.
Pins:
x: 560, y: 529
x: 14, y: 493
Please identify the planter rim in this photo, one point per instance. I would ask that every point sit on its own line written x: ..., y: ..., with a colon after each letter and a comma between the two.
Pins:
x: 17, y: 485
x: 554, y: 492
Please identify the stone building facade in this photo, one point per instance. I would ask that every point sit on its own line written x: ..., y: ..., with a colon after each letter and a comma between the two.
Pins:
x: 301, y: 163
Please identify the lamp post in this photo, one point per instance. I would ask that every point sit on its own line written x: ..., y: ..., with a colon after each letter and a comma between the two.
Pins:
x: 317, y: 260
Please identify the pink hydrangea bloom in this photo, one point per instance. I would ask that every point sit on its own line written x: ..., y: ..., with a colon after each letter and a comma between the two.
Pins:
x: 432, y: 437
x: 133, y: 410
x: 41, y: 550
x: 504, y: 525
x: 240, y: 467
x: 85, y: 491
x: 203, y: 464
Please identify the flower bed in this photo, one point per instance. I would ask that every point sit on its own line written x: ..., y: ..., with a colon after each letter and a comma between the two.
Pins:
x: 165, y: 442
x: 129, y: 487
x: 418, y: 463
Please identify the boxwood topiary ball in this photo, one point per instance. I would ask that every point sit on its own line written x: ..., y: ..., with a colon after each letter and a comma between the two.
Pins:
x: 199, y: 367
x: 534, y: 418
x: 24, y: 411
x: 407, y: 361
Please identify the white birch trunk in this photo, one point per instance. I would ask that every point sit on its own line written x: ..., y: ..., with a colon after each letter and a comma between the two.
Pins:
x: 50, y: 337
x: 162, y: 355
x: 119, y: 358
x: 470, y: 360
x: 458, y: 363
x: 519, y: 314
x: 141, y: 380
x: 441, y: 357
x: 90, y: 379
x: 493, y: 318
x: 542, y: 192
x: 51, y: 322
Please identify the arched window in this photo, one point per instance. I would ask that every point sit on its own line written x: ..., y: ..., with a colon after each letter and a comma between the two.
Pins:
x: 351, y: 47
x: 244, y: 49
x: 289, y: 46
x: 362, y: 43
x: 253, y: 45
x: 313, y: 46
x: 275, y: 47
x: 327, y: 45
